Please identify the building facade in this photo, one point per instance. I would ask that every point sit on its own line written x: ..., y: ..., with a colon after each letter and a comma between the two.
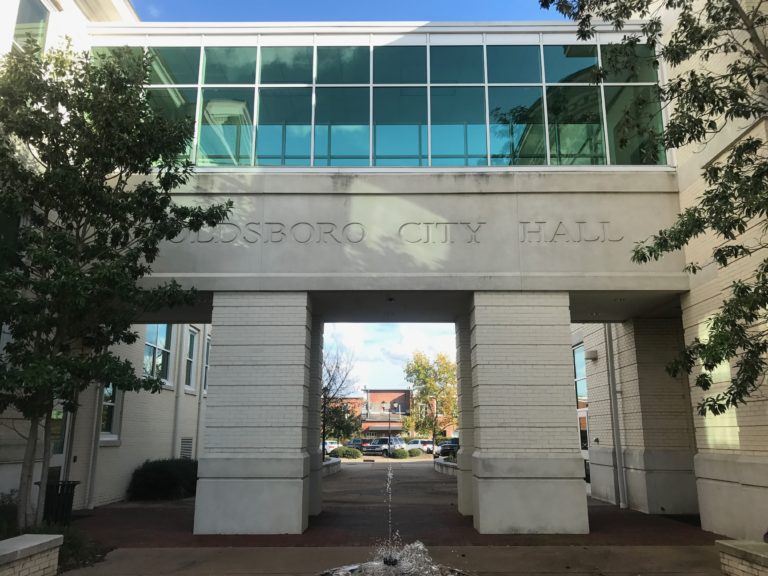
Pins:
x: 465, y: 173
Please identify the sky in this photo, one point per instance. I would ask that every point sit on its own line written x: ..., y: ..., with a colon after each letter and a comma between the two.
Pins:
x: 310, y: 10
x: 379, y: 351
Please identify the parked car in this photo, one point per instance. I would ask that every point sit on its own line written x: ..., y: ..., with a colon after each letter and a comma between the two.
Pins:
x: 448, y: 448
x: 329, y: 445
x: 381, y: 446
x: 422, y: 443
x: 358, y: 443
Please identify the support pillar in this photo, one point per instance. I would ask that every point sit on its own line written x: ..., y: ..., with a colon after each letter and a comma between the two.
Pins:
x: 314, y: 438
x: 466, y: 416
x: 527, y: 465
x: 253, y: 477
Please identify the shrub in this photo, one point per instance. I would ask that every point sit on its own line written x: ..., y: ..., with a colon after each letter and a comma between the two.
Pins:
x: 346, y: 452
x: 400, y: 453
x: 413, y: 452
x: 451, y: 459
x: 163, y: 480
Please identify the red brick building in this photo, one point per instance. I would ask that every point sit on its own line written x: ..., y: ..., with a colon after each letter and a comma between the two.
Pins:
x: 382, y: 410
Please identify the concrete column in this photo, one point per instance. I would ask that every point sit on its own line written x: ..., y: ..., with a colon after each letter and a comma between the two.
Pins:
x: 253, y: 477
x: 527, y: 464
x: 466, y: 415
x: 315, y: 417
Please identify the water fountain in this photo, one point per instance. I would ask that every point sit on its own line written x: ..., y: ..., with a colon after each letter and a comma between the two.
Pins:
x: 393, y: 558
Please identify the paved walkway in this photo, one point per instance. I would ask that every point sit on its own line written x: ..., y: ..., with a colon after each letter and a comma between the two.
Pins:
x: 156, y: 539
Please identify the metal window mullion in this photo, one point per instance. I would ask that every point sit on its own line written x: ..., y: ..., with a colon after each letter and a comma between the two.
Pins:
x: 314, y: 103
x: 544, y: 100
x: 371, y: 140
x: 606, y: 146
x: 487, y: 105
x: 429, y: 103
x: 256, y: 104
x: 199, y: 104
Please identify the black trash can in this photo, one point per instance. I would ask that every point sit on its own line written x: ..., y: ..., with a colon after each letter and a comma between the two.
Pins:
x: 58, y: 502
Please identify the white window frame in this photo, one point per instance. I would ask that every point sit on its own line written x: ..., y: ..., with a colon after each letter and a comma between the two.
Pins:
x: 206, y: 363
x: 190, y: 359
x: 111, y: 437
x: 154, y: 345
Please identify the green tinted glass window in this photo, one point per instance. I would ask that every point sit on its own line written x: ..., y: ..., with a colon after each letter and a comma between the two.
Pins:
x: 513, y: 64
x: 32, y: 21
x: 575, y: 63
x: 624, y: 63
x: 458, y: 126
x: 174, y: 104
x: 575, y: 126
x: 400, y: 64
x: 634, y: 124
x: 400, y: 126
x: 286, y: 65
x: 132, y: 52
x: 456, y: 64
x: 284, y: 129
x: 226, y: 127
x: 230, y: 65
x: 342, y: 131
x: 343, y: 65
x: 517, y: 126
x: 174, y: 65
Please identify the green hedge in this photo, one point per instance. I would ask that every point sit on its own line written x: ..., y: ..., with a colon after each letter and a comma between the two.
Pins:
x: 164, y: 480
x: 415, y: 452
x: 400, y: 453
x: 346, y: 452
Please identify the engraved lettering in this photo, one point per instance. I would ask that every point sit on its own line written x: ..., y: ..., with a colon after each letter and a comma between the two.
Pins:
x: 326, y: 229
x: 526, y: 230
x: 473, y: 230
x: 252, y: 232
x: 354, y: 232
x: 305, y: 235
x: 606, y: 234
x: 183, y: 235
x: 201, y: 236
x: 276, y: 232
x: 228, y: 232
x: 408, y: 236
x: 580, y: 224
x: 560, y: 230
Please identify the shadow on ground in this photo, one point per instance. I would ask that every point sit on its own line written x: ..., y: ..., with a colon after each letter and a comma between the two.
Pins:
x: 354, y: 514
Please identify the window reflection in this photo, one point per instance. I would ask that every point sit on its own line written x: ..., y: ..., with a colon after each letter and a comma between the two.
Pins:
x: 517, y: 126
x: 458, y: 127
x: 231, y: 65
x: 343, y: 65
x: 226, y: 128
x: 32, y: 22
x: 456, y: 64
x: 400, y: 64
x: 284, y: 130
x: 634, y: 121
x: 341, y: 127
x: 174, y: 65
x: 291, y: 65
x: 575, y: 126
x: 573, y: 63
x: 400, y: 126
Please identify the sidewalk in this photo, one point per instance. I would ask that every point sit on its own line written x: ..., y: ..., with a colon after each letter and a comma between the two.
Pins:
x: 477, y: 560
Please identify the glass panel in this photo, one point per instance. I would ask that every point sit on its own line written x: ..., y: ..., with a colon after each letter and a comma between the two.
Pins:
x: 161, y: 368
x: 231, y: 65
x: 623, y: 63
x: 191, y: 344
x: 517, y: 126
x: 575, y: 63
x: 188, y: 374
x: 456, y: 64
x: 400, y: 64
x: 149, y: 360
x: 343, y: 65
x: 174, y: 104
x: 458, y: 127
x: 283, y: 134
x: 132, y: 52
x: 226, y: 127
x: 164, y: 335
x: 513, y: 64
x: 107, y: 418
x: 579, y: 363
x: 58, y: 430
x: 286, y: 65
x: 151, y: 337
x: 341, y: 127
x: 31, y: 19
x: 174, y: 65
x: 400, y: 126
x: 634, y: 125
x: 575, y: 127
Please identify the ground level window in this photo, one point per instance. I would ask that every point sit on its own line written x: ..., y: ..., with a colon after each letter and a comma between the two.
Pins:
x: 108, y: 410
x: 191, y: 359
x: 157, y: 350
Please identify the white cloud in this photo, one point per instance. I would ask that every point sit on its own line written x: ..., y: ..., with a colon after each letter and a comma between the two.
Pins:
x: 380, y: 351
x: 154, y: 11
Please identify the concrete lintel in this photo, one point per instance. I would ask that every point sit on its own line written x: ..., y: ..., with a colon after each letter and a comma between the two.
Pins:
x: 257, y: 466
x: 26, y: 545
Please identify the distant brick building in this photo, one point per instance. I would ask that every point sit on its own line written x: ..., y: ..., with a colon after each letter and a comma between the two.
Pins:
x: 375, y: 408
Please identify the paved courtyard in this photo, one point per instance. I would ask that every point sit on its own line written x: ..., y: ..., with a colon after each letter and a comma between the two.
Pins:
x: 154, y: 539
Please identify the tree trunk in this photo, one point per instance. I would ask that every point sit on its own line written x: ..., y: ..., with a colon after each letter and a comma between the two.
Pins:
x: 44, y: 469
x: 23, y: 513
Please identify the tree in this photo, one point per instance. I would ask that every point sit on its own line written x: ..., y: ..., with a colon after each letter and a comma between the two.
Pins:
x: 338, y: 383
x: 87, y: 169
x: 720, y: 48
x: 435, y: 403
x: 341, y: 421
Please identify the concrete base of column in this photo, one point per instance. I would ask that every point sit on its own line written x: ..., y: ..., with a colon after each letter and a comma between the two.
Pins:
x: 733, y: 494
x: 252, y: 495
x: 315, y: 482
x: 602, y: 474
x: 660, y: 481
x: 529, y: 495
x: 464, y: 482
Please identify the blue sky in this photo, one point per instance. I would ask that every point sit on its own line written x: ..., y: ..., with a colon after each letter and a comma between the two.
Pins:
x: 308, y: 10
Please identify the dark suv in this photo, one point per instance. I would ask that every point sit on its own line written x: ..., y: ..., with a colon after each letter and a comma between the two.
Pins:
x: 358, y: 443
x: 448, y: 448
x: 380, y: 446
